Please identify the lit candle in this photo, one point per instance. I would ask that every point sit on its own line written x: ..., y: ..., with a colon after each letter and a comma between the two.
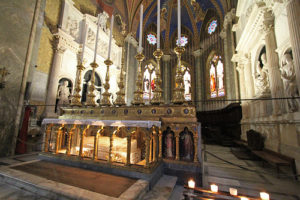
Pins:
x: 179, y: 22
x: 158, y: 24
x: 214, y: 188
x: 191, y: 184
x: 85, y: 30
x: 141, y: 29
x: 97, y: 35
x: 233, y: 191
x: 110, y: 36
x: 264, y: 196
x: 244, y: 198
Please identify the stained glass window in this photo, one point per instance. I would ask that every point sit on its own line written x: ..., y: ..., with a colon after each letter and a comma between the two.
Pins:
x: 216, y: 76
x: 187, y: 82
x: 148, y: 82
x: 151, y: 38
x: 212, y: 26
x: 183, y: 41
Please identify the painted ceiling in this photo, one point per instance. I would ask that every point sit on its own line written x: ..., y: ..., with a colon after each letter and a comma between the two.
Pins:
x: 193, y: 13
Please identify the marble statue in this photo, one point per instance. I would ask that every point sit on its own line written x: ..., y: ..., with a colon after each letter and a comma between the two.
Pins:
x: 63, y: 94
x: 72, y: 27
x: 103, y: 20
x: 288, y: 77
x: 261, y: 78
x: 91, y: 36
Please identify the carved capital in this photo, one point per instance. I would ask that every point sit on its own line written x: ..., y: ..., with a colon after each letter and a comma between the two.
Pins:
x: 268, y: 23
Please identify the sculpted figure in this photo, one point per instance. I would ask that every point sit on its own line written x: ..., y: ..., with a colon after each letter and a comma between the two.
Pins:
x: 187, y: 144
x: 90, y: 36
x: 103, y: 20
x: 261, y: 78
x: 288, y: 77
x: 169, y: 143
x: 63, y: 93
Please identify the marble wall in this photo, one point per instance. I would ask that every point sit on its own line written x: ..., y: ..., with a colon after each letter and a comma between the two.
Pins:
x: 15, y: 24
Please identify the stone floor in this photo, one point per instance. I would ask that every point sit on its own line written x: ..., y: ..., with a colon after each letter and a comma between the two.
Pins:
x: 25, y: 177
x: 257, y: 178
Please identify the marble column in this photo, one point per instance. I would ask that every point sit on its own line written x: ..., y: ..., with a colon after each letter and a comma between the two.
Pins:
x: 160, y: 143
x: 47, y: 135
x: 198, y: 79
x: 128, y: 149
x: 240, y: 69
x: 276, y: 85
x: 226, y: 34
x: 177, y: 157
x: 53, y: 79
x: 166, y: 78
x: 293, y: 9
x: 131, y: 65
x: 248, y: 78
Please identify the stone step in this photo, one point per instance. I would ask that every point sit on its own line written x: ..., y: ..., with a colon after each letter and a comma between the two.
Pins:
x: 163, y: 188
x: 248, y: 187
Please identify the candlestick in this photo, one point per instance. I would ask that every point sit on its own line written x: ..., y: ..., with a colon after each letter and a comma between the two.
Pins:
x: 105, y: 101
x: 178, y: 92
x: 179, y: 22
x: 83, y: 41
x: 138, y: 94
x: 110, y: 36
x: 157, y: 92
x: 97, y: 35
x: 141, y: 29
x: 158, y: 24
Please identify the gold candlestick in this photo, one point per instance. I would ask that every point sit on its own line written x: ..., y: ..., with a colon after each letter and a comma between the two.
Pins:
x: 91, y: 96
x: 157, y: 93
x: 105, y: 101
x: 178, y: 92
x: 138, y: 94
x: 120, y: 100
x: 76, y: 98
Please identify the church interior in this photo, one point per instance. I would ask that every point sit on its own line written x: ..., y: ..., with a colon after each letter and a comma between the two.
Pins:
x: 150, y: 99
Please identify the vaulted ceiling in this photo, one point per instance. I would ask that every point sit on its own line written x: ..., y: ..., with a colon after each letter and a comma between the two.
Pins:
x: 193, y: 13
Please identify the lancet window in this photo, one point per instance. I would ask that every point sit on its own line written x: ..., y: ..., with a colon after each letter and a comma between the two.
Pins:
x: 216, y: 77
x: 187, y: 82
x: 149, y: 81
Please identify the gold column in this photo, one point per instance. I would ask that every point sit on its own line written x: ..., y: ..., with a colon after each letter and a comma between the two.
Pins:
x: 83, y: 134
x: 178, y: 92
x: 58, y: 135
x: 151, y: 148
x: 76, y: 98
x: 138, y: 94
x: 70, y: 136
x: 128, y: 148
x: 147, y: 149
x: 177, y: 145
x: 160, y: 143
x: 154, y: 133
x: 110, y: 148
x: 48, y: 131
x: 105, y: 101
x: 90, y: 101
x: 157, y: 93
x: 95, y: 154
x: 196, y: 147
